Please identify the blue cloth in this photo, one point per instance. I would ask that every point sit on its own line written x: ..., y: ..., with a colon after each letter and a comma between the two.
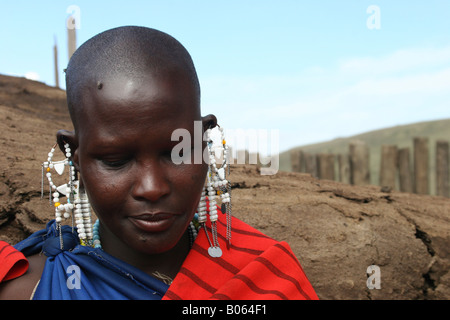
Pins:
x: 83, y: 273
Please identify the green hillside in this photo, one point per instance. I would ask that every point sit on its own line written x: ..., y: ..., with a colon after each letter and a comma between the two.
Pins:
x: 401, y: 136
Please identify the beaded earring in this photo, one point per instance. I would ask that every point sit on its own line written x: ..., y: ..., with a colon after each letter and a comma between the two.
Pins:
x: 217, y: 188
x: 83, y: 220
x: 77, y: 205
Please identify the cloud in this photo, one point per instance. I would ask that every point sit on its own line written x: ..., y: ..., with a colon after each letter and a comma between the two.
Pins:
x: 31, y: 75
x: 404, y: 60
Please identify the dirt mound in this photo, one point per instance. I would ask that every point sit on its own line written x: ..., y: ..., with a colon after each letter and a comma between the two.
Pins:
x: 336, y: 230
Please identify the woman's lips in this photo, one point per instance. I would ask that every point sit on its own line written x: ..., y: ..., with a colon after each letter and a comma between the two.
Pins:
x: 156, y: 222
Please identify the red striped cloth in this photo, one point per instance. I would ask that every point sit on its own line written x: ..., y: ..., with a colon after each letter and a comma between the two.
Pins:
x: 255, y: 267
x: 12, y: 262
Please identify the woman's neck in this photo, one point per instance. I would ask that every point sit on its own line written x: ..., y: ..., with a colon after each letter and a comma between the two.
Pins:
x: 167, y: 263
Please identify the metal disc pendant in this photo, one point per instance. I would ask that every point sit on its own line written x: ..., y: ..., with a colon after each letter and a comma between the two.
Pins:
x: 215, y: 252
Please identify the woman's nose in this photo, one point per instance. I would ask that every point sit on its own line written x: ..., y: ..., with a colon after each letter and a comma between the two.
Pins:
x: 150, y: 184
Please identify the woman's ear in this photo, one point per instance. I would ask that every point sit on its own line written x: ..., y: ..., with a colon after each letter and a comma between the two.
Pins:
x: 63, y: 137
x: 209, y: 122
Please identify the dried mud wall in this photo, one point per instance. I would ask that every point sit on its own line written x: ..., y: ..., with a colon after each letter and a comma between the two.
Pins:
x: 335, y: 230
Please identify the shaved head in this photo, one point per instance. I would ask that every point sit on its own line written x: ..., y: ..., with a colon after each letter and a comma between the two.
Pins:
x: 125, y: 52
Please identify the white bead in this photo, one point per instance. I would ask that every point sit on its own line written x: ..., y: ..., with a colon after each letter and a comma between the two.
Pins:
x: 221, y: 173
x: 58, y: 219
x: 55, y: 194
x: 66, y: 215
x: 68, y: 154
x: 48, y: 174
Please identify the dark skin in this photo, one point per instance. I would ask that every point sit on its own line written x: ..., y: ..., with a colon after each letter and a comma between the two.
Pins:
x: 122, y: 151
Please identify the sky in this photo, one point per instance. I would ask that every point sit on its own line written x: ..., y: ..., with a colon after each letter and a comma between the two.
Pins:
x: 304, y: 71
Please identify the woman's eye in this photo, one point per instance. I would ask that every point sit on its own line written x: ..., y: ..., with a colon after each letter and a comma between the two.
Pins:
x: 115, y: 163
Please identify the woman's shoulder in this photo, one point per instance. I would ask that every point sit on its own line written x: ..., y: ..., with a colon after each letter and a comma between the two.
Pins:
x: 22, y: 287
x: 244, y: 233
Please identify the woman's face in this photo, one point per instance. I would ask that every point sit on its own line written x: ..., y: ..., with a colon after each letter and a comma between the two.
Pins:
x: 124, y: 158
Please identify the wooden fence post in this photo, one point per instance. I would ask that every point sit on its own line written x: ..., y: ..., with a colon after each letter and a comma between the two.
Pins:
x: 442, y: 168
x: 230, y: 155
x: 325, y: 166
x: 71, y: 36
x: 388, y: 167
x: 310, y: 164
x: 297, y: 161
x: 55, y: 63
x: 254, y: 158
x: 359, y: 163
x: 344, y: 168
x: 404, y: 170
x: 421, y: 165
x: 241, y: 156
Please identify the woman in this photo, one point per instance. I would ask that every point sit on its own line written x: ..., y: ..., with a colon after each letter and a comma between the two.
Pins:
x: 160, y: 233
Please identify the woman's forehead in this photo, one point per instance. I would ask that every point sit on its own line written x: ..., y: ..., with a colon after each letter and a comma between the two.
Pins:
x: 125, y: 102
x: 138, y: 126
